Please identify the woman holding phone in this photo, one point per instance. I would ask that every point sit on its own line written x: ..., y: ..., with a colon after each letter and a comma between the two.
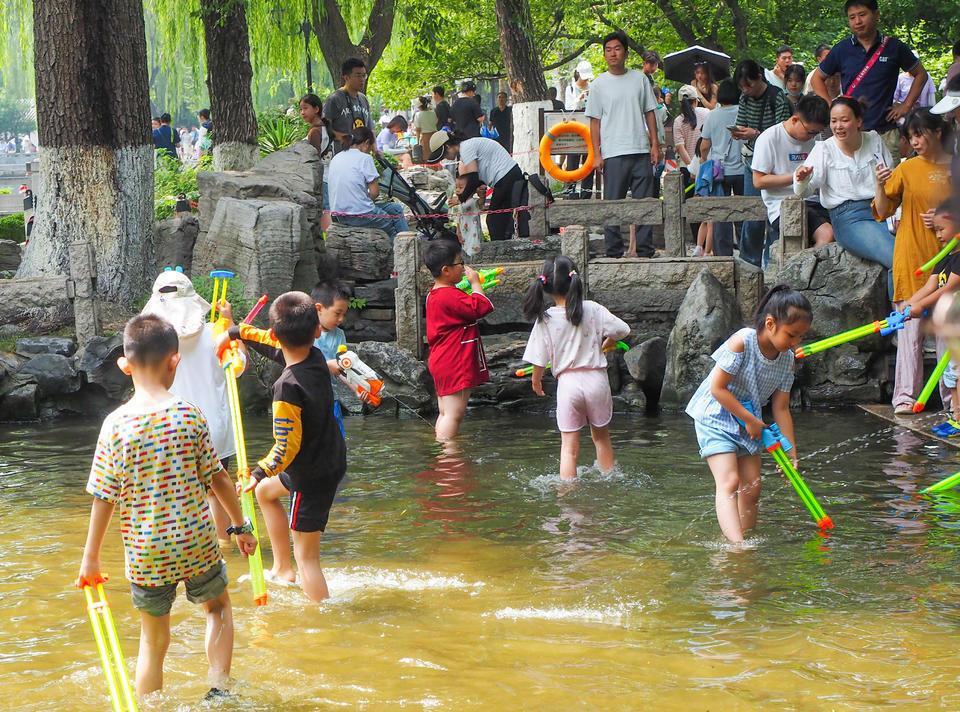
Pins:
x: 843, y: 168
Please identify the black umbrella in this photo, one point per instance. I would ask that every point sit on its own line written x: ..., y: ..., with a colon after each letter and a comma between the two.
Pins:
x: 678, y: 66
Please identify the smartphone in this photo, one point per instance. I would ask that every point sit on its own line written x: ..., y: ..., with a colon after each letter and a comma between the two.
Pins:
x: 879, y: 159
x: 733, y: 128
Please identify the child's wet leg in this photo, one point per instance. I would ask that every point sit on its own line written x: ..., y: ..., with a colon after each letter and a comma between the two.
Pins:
x: 724, y: 468
x: 306, y: 547
x: 601, y: 440
x: 749, y: 495
x: 452, y: 408
x: 269, y: 492
x: 154, y: 641
x: 569, y: 451
x: 219, y: 640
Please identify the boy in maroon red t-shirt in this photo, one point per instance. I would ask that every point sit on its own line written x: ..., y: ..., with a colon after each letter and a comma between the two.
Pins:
x: 456, y: 362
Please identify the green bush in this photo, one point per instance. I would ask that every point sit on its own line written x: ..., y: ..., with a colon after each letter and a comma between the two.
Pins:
x: 277, y: 129
x: 11, y: 228
x: 172, y: 178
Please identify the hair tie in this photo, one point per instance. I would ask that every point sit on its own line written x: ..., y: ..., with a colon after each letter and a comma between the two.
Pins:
x: 542, y: 278
x: 572, y: 274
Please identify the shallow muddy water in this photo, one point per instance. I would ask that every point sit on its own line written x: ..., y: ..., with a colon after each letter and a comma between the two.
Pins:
x: 472, y: 579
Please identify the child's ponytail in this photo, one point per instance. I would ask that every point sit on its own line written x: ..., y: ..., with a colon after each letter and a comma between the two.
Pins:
x: 533, y: 304
x: 574, y: 292
x: 785, y: 304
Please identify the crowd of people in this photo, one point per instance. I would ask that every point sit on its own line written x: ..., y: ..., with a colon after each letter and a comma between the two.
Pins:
x: 184, y: 144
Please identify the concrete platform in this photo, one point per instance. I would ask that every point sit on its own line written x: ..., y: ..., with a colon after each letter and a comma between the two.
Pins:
x: 919, y: 423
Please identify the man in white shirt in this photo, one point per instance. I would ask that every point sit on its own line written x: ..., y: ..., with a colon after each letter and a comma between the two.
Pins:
x: 779, y: 151
x: 775, y: 76
x: 623, y: 129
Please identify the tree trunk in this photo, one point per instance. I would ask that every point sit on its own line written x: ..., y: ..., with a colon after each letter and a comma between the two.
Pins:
x: 334, y: 39
x: 96, y: 166
x: 520, y: 58
x: 229, y: 74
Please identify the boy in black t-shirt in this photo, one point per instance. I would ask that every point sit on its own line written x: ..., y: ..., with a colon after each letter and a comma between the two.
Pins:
x: 308, y: 459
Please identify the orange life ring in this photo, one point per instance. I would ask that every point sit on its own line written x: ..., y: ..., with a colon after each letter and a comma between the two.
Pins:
x: 546, y: 143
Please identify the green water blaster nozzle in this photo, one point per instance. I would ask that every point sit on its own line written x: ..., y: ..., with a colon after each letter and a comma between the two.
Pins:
x: 777, y: 444
x: 488, y: 278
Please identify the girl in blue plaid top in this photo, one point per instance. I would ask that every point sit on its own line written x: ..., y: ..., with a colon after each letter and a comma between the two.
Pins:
x: 753, y: 365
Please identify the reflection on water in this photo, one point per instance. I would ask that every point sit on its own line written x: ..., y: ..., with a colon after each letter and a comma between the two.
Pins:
x: 466, y: 576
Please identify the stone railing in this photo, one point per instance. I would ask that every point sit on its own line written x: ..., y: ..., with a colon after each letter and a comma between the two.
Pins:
x: 674, y: 214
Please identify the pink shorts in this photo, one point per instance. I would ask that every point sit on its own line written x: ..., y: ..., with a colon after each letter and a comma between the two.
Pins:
x: 583, y: 396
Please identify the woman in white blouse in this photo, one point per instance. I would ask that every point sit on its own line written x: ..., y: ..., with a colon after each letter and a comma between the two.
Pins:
x: 843, y: 169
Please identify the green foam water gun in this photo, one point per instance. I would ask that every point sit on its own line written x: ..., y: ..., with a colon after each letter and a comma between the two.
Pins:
x: 931, y: 383
x: 488, y: 278
x: 884, y: 327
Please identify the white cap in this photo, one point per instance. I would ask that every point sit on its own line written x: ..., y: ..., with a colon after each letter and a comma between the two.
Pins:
x: 585, y: 70
x: 175, y: 299
x: 949, y: 102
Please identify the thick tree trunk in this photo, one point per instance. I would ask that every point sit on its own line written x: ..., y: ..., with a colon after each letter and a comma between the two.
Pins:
x: 331, y: 32
x: 96, y: 167
x: 520, y: 58
x: 228, y: 81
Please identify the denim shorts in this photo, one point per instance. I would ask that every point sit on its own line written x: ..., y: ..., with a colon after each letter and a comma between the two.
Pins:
x: 158, y: 600
x: 713, y: 441
x: 950, y: 375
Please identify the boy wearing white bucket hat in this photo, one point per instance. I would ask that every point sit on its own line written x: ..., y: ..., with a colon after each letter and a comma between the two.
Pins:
x: 199, y: 379
x: 949, y: 106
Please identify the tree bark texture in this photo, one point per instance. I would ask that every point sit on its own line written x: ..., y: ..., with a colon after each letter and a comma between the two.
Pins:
x: 96, y: 166
x: 331, y: 32
x: 228, y: 81
x: 520, y: 58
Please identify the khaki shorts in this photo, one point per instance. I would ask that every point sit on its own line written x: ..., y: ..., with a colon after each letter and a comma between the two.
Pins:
x: 158, y: 600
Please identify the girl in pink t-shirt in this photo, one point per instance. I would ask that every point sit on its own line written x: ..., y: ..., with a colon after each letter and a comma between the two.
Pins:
x: 571, y: 338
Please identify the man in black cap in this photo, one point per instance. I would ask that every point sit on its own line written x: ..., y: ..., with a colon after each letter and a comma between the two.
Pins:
x: 466, y: 113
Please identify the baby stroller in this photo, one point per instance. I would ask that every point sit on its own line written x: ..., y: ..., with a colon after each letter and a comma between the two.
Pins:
x: 393, y: 185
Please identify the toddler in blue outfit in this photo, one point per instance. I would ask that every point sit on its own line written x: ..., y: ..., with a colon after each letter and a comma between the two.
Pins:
x: 753, y: 366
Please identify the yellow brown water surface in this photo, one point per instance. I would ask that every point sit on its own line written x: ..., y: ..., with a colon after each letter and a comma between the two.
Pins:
x: 470, y: 578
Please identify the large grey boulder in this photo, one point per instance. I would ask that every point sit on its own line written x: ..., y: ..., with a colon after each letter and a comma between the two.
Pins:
x: 34, y: 345
x: 55, y: 375
x: 98, y: 362
x: 845, y: 292
x: 19, y: 398
x: 35, y: 304
x: 647, y: 364
x: 266, y: 243
x: 405, y: 378
x: 173, y: 242
x: 360, y: 253
x: 707, y: 316
x: 292, y: 174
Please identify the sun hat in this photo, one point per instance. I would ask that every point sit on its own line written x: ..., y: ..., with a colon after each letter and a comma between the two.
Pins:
x: 437, y: 143
x: 687, y: 92
x: 585, y: 70
x: 174, y: 298
x: 949, y: 102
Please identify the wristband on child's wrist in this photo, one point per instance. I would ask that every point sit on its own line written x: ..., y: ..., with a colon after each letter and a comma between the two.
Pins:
x: 245, y: 528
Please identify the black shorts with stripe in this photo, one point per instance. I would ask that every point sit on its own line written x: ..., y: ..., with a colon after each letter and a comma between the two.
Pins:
x: 309, y: 510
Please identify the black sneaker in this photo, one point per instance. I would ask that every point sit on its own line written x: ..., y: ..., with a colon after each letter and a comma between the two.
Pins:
x: 214, y: 693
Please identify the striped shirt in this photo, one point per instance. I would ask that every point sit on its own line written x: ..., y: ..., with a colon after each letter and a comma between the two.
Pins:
x: 762, y: 113
x: 755, y: 379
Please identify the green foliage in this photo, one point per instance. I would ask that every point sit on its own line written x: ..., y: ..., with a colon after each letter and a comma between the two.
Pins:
x: 5, y: 191
x: 12, y: 228
x: 203, y: 284
x: 357, y: 303
x: 172, y: 178
x: 278, y: 129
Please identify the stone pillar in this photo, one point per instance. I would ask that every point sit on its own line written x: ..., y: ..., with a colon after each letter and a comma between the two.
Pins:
x: 674, y: 223
x: 82, y: 284
x: 409, y: 304
x: 539, y: 228
x: 575, y: 244
x: 793, y: 230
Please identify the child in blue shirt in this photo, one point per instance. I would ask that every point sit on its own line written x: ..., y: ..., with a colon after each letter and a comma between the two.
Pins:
x: 753, y: 366
x: 333, y: 301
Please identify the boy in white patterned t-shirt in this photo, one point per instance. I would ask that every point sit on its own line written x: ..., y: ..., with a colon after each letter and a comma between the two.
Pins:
x: 155, y: 460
